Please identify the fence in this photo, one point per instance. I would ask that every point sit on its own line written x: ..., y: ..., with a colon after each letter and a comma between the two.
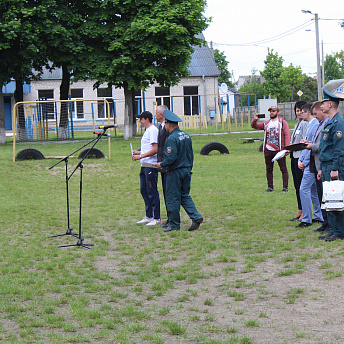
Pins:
x: 52, y: 119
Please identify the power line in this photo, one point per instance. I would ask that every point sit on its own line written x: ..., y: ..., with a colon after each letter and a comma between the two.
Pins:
x: 273, y: 38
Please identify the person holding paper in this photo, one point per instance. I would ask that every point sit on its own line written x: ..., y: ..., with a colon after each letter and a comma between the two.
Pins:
x: 277, y: 136
x: 149, y: 175
x: 299, y: 133
x: 308, y: 187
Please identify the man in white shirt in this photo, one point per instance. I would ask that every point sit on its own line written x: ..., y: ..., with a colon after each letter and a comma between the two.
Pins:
x: 149, y: 175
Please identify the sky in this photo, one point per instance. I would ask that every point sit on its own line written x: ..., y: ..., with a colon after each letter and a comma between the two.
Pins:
x: 237, y: 26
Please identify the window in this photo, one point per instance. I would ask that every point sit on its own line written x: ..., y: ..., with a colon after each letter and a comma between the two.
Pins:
x: 47, y: 110
x: 138, y: 102
x: 191, y: 100
x: 162, y: 96
x: 77, y: 93
x: 105, y: 93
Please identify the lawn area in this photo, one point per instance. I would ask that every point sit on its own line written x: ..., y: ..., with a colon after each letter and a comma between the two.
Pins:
x: 246, y: 276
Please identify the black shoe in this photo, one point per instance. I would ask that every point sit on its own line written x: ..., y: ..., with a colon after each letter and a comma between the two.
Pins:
x: 333, y: 237
x: 321, y: 229
x: 169, y: 229
x: 195, y: 225
x: 296, y: 218
x: 269, y: 190
x: 285, y: 190
x: 303, y: 224
x: 323, y: 237
x: 316, y: 221
x: 165, y: 224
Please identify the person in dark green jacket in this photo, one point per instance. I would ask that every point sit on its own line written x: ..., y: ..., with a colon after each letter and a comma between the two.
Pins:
x: 178, y: 161
x: 331, y: 156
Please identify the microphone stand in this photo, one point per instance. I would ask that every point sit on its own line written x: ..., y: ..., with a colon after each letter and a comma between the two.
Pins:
x: 79, y: 165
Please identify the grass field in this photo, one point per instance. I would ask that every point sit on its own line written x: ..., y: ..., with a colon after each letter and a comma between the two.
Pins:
x: 246, y: 276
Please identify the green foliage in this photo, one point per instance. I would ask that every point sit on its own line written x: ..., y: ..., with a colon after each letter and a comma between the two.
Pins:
x: 291, y: 77
x: 151, y: 41
x: 333, y: 67
x: 309, y: 87
x: 272, y: 73
x: 222, y: 64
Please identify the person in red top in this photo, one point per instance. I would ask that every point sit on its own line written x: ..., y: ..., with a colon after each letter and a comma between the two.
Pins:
x: 277, y: 136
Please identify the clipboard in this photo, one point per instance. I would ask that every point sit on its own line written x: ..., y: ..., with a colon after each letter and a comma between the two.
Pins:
x: 296, y: 147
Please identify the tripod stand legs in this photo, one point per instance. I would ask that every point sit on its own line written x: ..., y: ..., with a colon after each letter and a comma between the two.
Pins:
x: 68, y: 232
x: 79, y: 243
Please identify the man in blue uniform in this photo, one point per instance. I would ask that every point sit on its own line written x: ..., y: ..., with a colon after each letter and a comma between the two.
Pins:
x: 331, y: 155
x: 178, y: 161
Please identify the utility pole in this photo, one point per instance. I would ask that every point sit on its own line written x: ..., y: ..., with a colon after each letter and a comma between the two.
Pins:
x: 323, y: 63
x: 318, y: 55
x: 316, y: 19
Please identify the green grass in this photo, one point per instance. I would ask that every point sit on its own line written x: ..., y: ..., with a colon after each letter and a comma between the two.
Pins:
x: 138, y: 284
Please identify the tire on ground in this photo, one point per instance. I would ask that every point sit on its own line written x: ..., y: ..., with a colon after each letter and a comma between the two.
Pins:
x: 29, y: 154
x: 214, y: 146
x: 261, y: 147
x: 94, y: 153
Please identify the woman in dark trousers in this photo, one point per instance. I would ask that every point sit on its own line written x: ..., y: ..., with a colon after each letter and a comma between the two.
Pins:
x: 299, y: 133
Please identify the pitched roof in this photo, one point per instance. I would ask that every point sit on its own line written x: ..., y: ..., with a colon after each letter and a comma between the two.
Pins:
x: 202, y: 61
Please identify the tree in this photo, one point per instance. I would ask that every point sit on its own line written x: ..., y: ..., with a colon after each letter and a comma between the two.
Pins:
x: 290, y: 78
x: 272, y: 72
x: 340, y: 58
x: 151, y: 42
x: 222, y: 64
x: 333, y: 68
x: 73, y: 41
x: 309, y: 87
x: 21, y: 25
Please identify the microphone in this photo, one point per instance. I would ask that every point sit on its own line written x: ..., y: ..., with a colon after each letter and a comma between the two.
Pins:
x: 108, y: 126
x: 103, y: 134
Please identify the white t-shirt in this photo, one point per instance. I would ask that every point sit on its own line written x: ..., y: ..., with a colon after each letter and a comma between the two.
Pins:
x: 150, y: 136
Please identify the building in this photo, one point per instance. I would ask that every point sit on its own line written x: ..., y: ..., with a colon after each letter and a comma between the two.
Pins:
x: 196, y: 94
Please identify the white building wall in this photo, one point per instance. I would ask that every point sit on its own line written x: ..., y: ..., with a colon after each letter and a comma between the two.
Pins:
x: 208, y: 86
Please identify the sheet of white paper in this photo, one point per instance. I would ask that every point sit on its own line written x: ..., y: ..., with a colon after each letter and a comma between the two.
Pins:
x: 279, y: 155
x: 131, y: 148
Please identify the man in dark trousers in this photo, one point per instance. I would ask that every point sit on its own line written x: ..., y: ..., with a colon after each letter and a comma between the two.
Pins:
x: 277, y: 136
x: 178, y: 162
x: 331, y: 155
x: 162, y: 136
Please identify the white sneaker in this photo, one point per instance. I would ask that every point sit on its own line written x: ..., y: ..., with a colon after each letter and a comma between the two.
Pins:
x: 154, y: 222
x: 146, y: 220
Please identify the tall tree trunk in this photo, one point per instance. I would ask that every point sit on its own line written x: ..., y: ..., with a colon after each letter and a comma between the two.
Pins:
x: 64, y: 90
x: 19, y: 97
x: 2, y: 118
x: 129, y: 117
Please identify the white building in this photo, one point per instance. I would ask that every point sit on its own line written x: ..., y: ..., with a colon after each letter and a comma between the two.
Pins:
x: 196, y: 94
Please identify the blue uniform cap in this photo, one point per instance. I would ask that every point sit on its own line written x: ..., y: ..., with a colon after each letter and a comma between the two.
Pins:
x: 330, y: 96
x: 171, y: 117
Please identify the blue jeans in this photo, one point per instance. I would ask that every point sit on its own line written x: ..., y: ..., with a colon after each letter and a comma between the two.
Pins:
x: 309, y: 195
x: 149, y: 191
